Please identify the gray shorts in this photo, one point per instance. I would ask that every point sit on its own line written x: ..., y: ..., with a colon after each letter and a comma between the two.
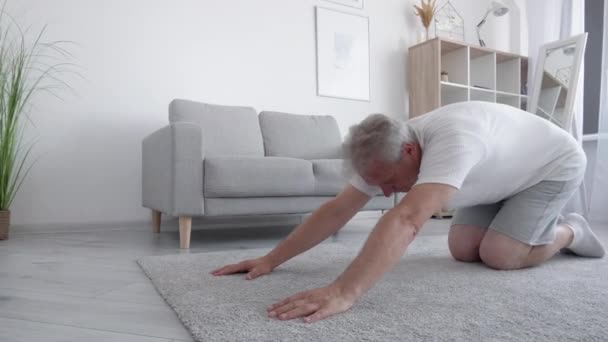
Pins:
x: 528, y: 216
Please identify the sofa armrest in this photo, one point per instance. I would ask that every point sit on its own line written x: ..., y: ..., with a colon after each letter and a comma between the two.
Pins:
x: 172, y: 170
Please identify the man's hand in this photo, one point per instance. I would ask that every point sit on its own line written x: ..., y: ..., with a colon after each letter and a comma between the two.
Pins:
x: 253, y: 267
x: 313, y: 305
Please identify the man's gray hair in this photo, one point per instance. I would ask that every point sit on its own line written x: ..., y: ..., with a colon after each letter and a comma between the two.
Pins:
x: 378, y: 137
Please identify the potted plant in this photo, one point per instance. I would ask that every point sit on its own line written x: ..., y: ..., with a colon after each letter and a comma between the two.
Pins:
x: 25, y: 68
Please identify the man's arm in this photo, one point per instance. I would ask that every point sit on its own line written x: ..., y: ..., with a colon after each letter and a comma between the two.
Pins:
x: 391, y: 237
x: 385, y: 245
x: 325, y: 221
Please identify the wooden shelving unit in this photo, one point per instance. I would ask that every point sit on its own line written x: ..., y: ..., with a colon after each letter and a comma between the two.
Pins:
x: 474, y: 74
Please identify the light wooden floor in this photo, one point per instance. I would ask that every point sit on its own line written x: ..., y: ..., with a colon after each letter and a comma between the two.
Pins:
x: 86, y: 286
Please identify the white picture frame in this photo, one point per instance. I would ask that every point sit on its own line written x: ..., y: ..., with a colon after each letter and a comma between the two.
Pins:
x: 579, y: 42
x: 351, y: 3
x: 342, y: 55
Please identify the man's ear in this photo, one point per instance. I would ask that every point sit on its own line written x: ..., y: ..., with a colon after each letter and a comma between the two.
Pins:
x: 407, y: 149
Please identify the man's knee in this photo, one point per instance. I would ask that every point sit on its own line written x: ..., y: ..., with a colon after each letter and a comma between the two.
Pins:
x: 465, y: 255
x: 464, y: 242
x: 499, y: 261
x: 503, y: 253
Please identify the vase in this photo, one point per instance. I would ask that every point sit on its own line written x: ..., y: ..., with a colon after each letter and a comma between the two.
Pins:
x: 5, y: 222
x: 420, y: 37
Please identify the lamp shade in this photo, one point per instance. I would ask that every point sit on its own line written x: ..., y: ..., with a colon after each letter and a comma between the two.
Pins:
x: 499, y: 9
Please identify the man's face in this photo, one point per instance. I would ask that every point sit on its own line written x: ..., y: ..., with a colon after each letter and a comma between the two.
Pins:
x: 397, y: 176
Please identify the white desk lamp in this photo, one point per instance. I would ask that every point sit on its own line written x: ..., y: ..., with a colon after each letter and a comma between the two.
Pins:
x: 498, y: 10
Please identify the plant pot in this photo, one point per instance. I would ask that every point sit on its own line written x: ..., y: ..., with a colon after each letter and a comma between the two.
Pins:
x: 5, y: 222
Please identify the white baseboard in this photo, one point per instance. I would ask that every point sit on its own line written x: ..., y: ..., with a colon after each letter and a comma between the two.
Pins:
x: 171, y: 224
x: 71, y: 227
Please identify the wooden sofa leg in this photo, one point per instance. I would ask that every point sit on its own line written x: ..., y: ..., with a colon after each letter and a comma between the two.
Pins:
x: 156, y: 215
x: 185, y: 228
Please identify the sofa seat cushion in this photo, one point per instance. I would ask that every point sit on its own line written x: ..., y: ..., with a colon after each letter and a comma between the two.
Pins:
x: 329, y: 176
x: 257, y: 177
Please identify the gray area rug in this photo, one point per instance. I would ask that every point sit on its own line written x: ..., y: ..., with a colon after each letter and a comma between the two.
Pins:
x: 426, y: 297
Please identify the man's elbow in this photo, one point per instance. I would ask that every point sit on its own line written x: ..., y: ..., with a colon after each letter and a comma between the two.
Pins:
x: 409, y: 224
x: 410, y: 220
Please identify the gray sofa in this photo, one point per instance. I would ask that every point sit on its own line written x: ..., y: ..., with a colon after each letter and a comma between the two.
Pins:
x: 213, y: 160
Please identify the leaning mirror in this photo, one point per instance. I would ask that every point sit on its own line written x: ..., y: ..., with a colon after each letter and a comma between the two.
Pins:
x: 556, y: 80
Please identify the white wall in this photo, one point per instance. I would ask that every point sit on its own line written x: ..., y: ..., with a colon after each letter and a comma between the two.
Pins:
x: 137, y: 55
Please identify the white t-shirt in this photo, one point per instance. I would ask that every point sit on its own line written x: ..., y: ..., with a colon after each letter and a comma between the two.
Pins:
x: 489, y: 152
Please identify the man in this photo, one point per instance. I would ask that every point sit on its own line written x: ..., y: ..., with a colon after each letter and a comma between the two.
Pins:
x: 508, y: 172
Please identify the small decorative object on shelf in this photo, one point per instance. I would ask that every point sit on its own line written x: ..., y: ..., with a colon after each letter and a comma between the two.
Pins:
x: 426, y: 11
x: 444, y: 76
x: 448, y: 23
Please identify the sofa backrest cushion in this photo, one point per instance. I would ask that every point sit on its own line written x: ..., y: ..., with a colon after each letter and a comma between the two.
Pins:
x: 300, y: 136
x: 227, y: 130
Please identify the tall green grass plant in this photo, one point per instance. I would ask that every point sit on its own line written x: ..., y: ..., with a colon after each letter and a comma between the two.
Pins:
x: 26, y: 68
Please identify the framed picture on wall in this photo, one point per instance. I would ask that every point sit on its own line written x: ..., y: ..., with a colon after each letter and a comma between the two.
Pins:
x: 351, y: 3
x: 342, y: 55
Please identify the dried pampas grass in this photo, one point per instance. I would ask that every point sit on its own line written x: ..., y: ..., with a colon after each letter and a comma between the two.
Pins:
x: 426, y: 11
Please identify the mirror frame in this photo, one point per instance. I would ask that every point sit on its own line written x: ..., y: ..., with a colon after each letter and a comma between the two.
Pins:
x: 580, y: 41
